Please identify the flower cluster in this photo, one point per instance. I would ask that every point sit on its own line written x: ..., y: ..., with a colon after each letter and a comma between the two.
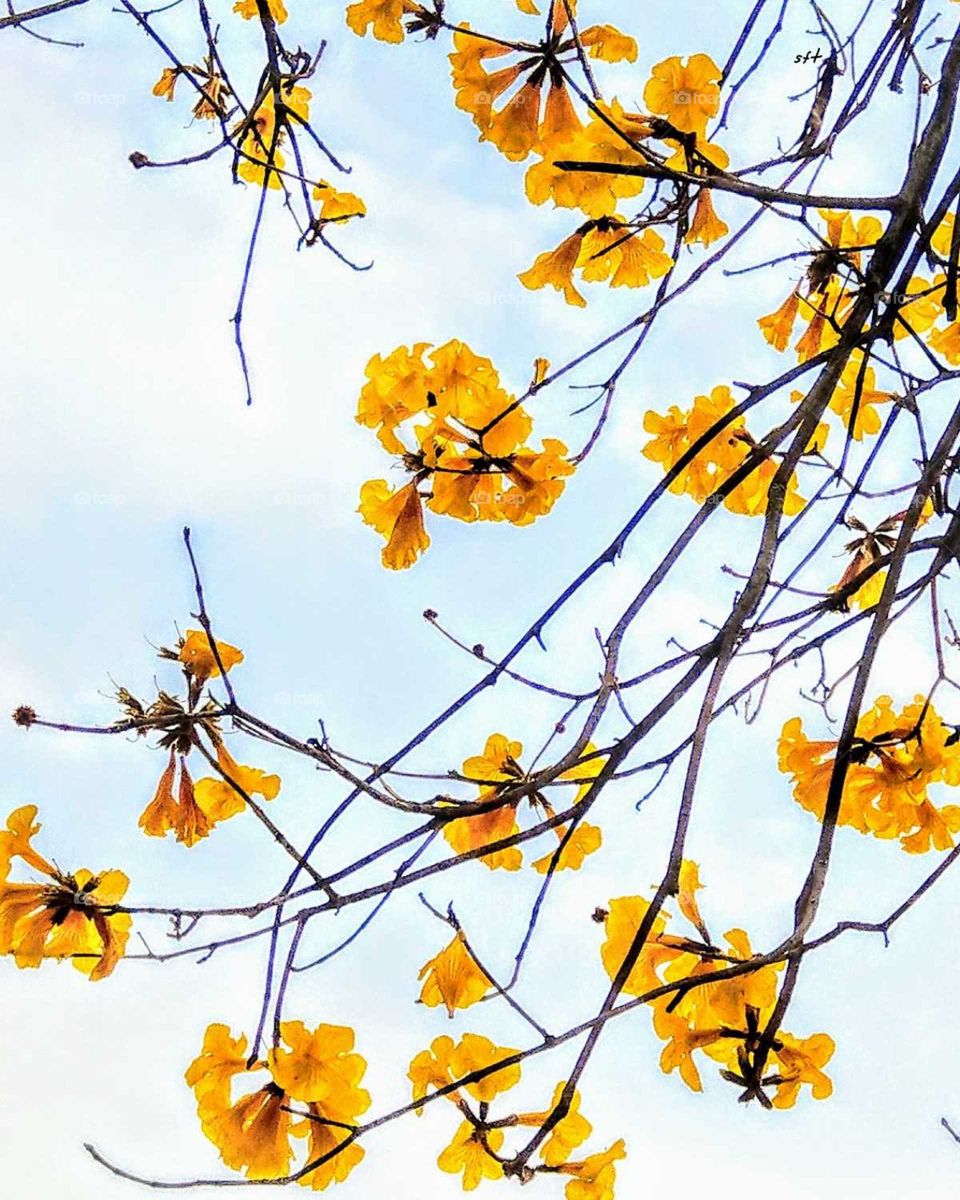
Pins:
x: 832, y: 280
x: 468, y: 1070
x: 497, y: 770
x: 677, y: 432
x: 181, y: 806
x: 725, y: 1020
x: 466, y: 441
x: 307, y: 1088
x: 67, y: 915
x: 896, y: 757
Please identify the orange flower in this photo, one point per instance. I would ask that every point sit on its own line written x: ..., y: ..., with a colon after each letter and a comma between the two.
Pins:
x: 181, y: 814
x: 166, y: 85
x: 219, y: 800
x: 777, y: 328
x: 706, y: 226
x: 198, y: 657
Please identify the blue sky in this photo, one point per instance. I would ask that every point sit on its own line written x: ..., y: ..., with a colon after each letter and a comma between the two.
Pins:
x: 124, y: 421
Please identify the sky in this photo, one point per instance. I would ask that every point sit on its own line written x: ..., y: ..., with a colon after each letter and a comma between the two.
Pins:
x: 124, y: 421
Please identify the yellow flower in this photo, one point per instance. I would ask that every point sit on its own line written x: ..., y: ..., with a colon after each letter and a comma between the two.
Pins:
x: 687, y: 94
x: 844, y: 233
x: 15, y: 842
x: 687, y: 895
x: 595, y: 1176
x: 569, y: 1132
x: 211, y: 1073
x: 855, y: 378
x: 621, y: 925
x: 337, y: 206
x: 199, y: 660
x: 526, y: 122
x: 919, y: 315
x: 385, y: 16
x: 706, y: 226
x: 475, y: 1053
x: 604, y: 249
x: 253, y: 1135
x: 470, y: 446
x: 824, y: 311
x: 608, y: 44
x: 431, y: 1069
x: 554, y: 268
x: 777, y: 328
x: 166, y: 85
x: 398, y: 517
x: 497, y: 765
x: 248, y: 9
x: 586, y: 839
x: 453, y: 979
x: 595, y: 194
x: 626, y: 257
x: 947, y: 342
x: 181, y: 813
x: 397, y: 388
x: 260, y: 160
x: 68, y: 917
x: 896, y: 757
x: 325, y: 1138
x: 218, y: 800
x: 719, y: 458
x: 515, y: 129
x: 320, y: 1067
x: 467, y: 1154
x: 800, y: 1062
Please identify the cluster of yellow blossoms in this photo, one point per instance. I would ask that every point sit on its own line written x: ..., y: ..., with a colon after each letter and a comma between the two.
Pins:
x: 474, y: 1151
x: 723, y: 1020
x: 831, y: 284
x: 259, y: 158
x: 496, y: 771
x: 307, y: 1088
x: 181, y: 806
x: 676, y: 432
x: 465, y: 435
x: 895, y: 759
x: 522, y: 97
x: 66, y: 916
